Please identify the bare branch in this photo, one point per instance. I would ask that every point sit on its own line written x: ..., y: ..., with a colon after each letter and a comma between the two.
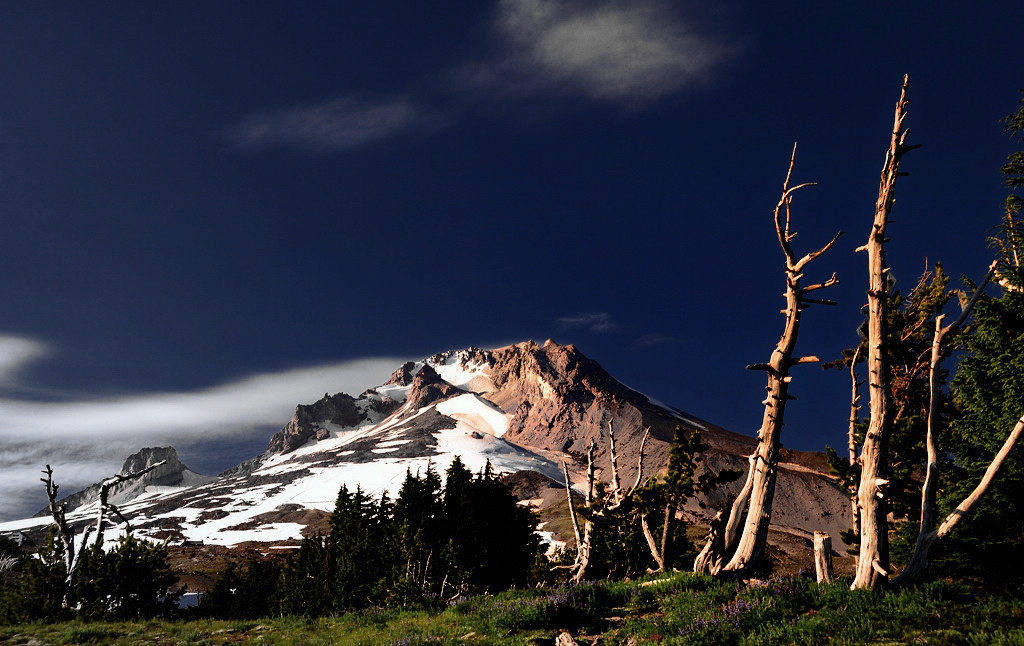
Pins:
x: 814, y: 254
x: 105, y: 487
x: 828, y: 283
x: 640, y: 461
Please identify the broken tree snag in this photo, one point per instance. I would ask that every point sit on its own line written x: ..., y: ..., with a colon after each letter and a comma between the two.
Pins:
x: 823, y: 557
x: 873, y: 562
x: 855, y: 385
x: 919, y: 558
x: 761, y: 477
x: 104, y: 506
x: 59, y: 514
x: 70, y: 556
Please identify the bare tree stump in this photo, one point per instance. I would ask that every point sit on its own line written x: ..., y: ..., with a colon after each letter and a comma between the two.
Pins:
x: 823, y: 557
x: 565, y: 639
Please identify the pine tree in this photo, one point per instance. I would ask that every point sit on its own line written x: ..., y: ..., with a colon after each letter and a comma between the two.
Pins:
x: 132, y: 580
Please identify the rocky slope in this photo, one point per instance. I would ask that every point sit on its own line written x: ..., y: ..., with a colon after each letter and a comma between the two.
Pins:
x: 525, y: 408
x: 172, y: 475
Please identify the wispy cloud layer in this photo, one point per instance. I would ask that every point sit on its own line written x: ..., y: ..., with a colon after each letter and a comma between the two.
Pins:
x: 17, y: 352
x: 339, y: 124
x: 87, y: 439
x: 622, y: 53
x: 631, y: 53
x: 648, y: 340
x: 597, y: 322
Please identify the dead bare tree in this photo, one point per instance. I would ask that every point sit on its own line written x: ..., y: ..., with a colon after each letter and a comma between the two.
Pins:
x: 584, y: 532
x: 872, y: 500
x: 928, y: 533
x: 105, y: 506
x: 759, y: 490
x: 65, y: 534
x: 855, y: 385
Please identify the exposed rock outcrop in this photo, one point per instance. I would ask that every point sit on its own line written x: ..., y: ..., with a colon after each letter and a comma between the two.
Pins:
x: 172, y: 473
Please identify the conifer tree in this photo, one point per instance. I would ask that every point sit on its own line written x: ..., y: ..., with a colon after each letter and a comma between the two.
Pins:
x: 989, y: 393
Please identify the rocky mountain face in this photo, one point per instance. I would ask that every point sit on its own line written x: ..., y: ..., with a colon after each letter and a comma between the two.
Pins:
x: 173, y: 473
x: 525, y: 409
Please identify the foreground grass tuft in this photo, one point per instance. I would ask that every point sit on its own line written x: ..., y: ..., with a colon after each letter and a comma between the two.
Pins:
x: 676, y: 609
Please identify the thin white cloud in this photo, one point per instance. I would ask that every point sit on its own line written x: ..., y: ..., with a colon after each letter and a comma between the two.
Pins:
x: 86, y: 439
x: 597, y: 322
x: 648, y: 340
x: 339, y: 124
x: 624, y: 53
x: 621, y: 52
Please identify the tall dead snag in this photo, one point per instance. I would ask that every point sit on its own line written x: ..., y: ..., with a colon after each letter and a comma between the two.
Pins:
x: 759, y: 490
x: 872, y: 501
x: 65, y: 535
x: 584, y: 536
x: 928, y: 534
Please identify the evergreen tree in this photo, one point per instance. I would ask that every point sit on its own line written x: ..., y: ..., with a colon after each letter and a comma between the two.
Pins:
x: 244, y: 592
x: 359, y: 549
x: 419, y: 542
x: 306, y: 580
x: 131, y: 580
x: 989, y: 392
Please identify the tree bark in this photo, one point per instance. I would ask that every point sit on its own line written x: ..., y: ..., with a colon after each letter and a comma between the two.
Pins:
x: 872, y: 500
x: 823, y: 557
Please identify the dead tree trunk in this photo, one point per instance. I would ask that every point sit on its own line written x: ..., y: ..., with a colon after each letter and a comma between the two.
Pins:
x: 709, y: 561
x: 618, y: 496
x: 584, y: 535
x: 927, y: 534
x: 919, y: 559
x: 823, y: 557
x: 105, y: 506
x: 855, y: 385
x: 66, y: 536
x: 759, y: 491
x: 70, y: 555
x: 872, y: 501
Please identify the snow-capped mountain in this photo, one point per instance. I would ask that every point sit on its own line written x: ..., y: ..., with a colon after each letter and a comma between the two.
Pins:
x: 525, y: 408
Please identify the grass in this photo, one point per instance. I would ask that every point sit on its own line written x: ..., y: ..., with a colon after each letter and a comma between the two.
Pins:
x: 677, y: 609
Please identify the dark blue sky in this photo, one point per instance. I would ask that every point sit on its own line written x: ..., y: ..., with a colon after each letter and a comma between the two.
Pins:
x: 200, y: 192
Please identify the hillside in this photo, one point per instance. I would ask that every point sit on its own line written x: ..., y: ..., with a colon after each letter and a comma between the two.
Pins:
x: 524, y: 408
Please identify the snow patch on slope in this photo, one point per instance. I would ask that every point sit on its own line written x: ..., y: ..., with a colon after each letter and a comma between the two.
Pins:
x: 477, y: 413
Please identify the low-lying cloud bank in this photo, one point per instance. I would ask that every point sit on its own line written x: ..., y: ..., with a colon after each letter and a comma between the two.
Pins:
x: 87, y: 439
